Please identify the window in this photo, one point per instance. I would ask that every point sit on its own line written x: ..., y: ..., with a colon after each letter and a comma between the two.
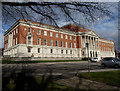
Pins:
x: 61, y: 43
x: 51, y: 34
x: 45, y: 42
x: 66, y: 37
x: 74, y: 37
x: 70, y: 45
x: 74, y: 45
x: 29, y: 40
x: 39, y: 41
x: 13, y: 41
x: 16, y: 30
x: 39, y: 32
x: 51, y: 51
x: 70, y: 38
x: 61, y: 35
x: 56, y: 43
x: 13, y: 32
x: 70, y: 51
x: 29, y: 50
x: 57, y: 35
x: 51, y: 42
x: 61, y: 51
x: 66, y: 51
x: 29, y: 30
x: 45, y: 33
x: 66, y: 44
x: 38, y: 50
x: 25, y: 29
x: 16, y: 41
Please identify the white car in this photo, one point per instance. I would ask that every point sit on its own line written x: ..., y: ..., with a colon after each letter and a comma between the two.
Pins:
x: 97, y: 59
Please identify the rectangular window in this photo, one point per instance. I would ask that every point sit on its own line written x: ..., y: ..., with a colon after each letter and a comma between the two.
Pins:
x: 66, y: 52
x: 66, y: 37
x: 51, y: 34
x: 29, y: 50
x: 45, y: 33
x: 38, y: 50
x: 61, y: 43
x: 51, y: 51
x: 39, y: 41
x: 39, y: 32
x: 66, y: 44
x: 16, y: 41
x: 16, y: 30
x: 70, y: 45
x: 70, y: 38
x: 61, y: 51
x: 70, y: 51
x: 74, y: 45
x: 45, y: 42
x: 51, y: 42
x: 56, y: 43
x: 57, y: 35
x: 29, y: 30
x: 74, y: 37
x: 61, y: 35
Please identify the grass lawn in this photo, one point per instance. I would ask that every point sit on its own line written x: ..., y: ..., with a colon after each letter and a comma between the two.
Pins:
x: 109, y: 77
x: 22, y: 83
x: 41, y: 61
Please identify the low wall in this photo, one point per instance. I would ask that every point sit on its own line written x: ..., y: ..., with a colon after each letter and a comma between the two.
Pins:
x: 37, y: 58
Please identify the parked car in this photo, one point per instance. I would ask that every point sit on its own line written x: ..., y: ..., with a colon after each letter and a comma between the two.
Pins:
x: 110, y: 62
x: 97, y: 59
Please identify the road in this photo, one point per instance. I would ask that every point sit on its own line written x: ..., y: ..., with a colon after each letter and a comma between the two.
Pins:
x: 66, y: 69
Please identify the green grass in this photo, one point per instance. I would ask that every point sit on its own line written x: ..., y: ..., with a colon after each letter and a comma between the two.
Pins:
x: 35, y: 83
x: 109, y: 77
x: 41, y: 61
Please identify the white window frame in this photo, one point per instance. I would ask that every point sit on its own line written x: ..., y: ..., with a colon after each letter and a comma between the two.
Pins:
x: 61, y: 43
x: 45, y: 33
x: 51, y: 34
x: 61, y: 35
x: 56, y: 35
x: 51, y: 42
x: 70, y: 37
x: 74, y: 45
x: 39, y: 32
x: 66, y: 37
x: 45, y: 41
x: 66, y: 44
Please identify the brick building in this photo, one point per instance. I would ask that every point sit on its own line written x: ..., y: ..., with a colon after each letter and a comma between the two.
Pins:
x: 32, y: 39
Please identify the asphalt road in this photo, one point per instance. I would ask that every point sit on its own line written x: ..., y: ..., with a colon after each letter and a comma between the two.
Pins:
x: 66, y: 69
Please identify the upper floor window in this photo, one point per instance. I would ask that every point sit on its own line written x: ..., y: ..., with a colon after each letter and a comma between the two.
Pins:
x: 29, y: 30
x: 66, y: 44
x: 61, y: 43
x: 56, y: 43
x: 70, y: 38
x: 57, y: 35
x: 70, y: 45
x: 51, y: 34
x: 39, y: 41
x: 74, y: 37
x: 45, y: 33
x: 51, y: 42
x: 61, y: 35
x: 39, y: 32
x: 66, y: 37
x: 74, y: 45
x: 45, y: 41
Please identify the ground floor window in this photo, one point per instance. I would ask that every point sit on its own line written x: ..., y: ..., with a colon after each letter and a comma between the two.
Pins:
x: 38, y: 50
x: 29, y: 50
x: 70, y: 51
x: 66, y: 51
x: 51, y: 51
x: 61, y: 51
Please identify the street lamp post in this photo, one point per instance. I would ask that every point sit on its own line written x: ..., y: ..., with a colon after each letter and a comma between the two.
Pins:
x: 87, y: 45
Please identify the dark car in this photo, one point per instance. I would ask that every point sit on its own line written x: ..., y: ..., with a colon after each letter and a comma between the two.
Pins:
x: 110, y: 62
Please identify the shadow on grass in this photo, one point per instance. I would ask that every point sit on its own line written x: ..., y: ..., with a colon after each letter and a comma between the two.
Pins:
x: 20, y: 82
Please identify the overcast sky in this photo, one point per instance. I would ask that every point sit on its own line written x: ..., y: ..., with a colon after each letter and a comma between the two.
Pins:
x: 106, y: 27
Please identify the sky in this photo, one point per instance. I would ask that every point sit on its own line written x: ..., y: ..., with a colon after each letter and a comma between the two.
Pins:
x: 106, y: 27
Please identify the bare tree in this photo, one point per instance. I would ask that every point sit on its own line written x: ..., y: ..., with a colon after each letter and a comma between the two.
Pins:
x: 51, y: 12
